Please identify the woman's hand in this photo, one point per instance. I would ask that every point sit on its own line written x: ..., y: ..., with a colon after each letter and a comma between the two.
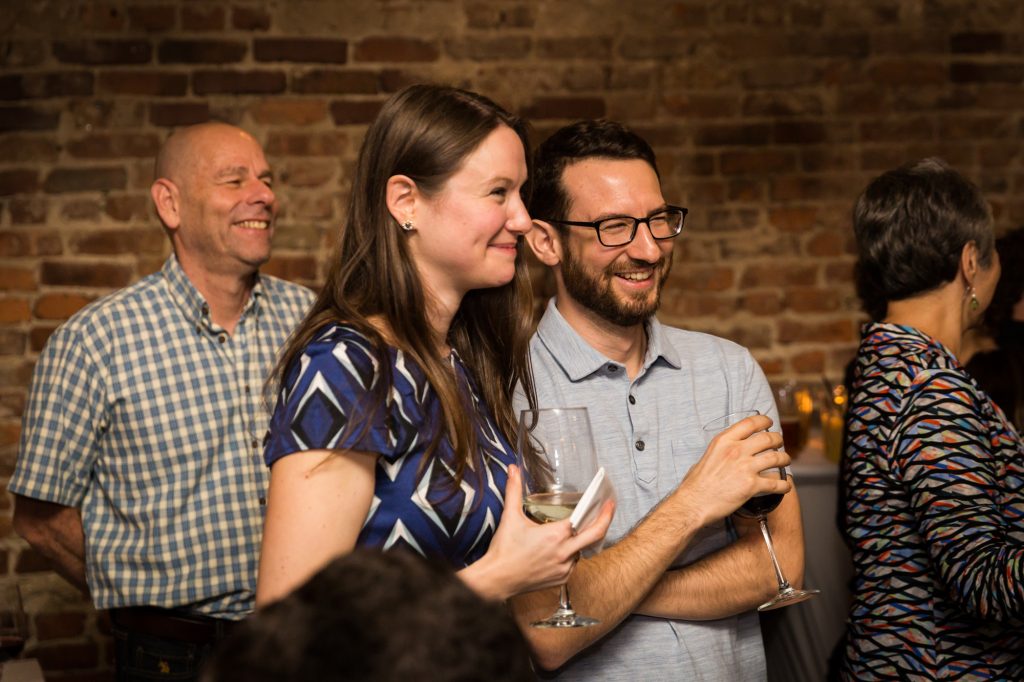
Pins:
x: 525, y: 556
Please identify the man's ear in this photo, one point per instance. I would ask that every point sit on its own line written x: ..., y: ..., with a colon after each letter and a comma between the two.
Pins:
x: 167, y: 200
x: 545, y: 243
x: 401, y: 194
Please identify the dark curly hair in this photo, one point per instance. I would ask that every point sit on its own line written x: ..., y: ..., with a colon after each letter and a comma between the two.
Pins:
x: 912, y: 224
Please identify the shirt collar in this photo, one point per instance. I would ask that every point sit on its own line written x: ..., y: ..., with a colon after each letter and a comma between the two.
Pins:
x: 578, y: 359
x: 193, y: 303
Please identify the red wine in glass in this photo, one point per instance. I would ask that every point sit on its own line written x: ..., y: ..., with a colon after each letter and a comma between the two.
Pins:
x: 10, y: 647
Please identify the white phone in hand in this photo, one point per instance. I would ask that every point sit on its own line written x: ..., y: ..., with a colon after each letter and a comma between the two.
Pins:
x: 589, y: 506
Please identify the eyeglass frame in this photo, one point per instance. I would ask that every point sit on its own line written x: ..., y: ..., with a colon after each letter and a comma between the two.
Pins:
x: 595, y: 225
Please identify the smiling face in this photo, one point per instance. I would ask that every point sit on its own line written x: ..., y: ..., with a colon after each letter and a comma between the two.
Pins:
x: 223, y: 217
x: 466, y: 235
x: 621, y: 285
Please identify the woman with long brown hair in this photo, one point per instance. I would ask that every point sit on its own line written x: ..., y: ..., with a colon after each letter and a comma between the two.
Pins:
x: 394, y: 416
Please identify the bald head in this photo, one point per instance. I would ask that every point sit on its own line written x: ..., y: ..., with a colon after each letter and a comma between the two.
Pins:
x: 181, y: 154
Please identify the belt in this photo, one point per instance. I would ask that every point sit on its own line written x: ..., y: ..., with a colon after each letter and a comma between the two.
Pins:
x: 172, y: 624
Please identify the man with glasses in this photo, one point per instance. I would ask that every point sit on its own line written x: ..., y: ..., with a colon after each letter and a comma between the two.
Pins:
x: 676, y: 591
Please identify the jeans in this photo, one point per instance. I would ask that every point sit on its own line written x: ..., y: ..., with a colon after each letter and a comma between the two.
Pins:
x: 139, y: 657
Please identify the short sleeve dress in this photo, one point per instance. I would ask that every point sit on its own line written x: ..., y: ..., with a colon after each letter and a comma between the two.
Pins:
x: 325, y: 402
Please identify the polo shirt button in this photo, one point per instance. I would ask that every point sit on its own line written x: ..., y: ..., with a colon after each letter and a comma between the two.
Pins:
x: 632, y: 399
x: 640, y: 445
x: 223, y: 338
x: 613, y: 368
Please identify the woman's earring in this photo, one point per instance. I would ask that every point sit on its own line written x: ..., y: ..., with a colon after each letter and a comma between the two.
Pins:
x: 407, y: 226
x: 974, y: 299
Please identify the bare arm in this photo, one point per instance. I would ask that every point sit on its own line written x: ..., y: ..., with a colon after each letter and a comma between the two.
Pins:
x: 316, y: 505
x: 55, y: 531
x: 736, y: 578
x: 610, y: 585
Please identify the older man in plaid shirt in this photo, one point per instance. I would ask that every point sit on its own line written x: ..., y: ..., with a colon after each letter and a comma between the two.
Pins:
x: 139, y: 473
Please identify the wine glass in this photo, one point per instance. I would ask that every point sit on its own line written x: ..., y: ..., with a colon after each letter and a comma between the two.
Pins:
x: 557, y: 458
x: 758, y: 507
x: 13, y: 621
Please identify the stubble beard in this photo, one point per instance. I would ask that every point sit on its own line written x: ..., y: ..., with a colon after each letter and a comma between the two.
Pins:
x: 595, y: 291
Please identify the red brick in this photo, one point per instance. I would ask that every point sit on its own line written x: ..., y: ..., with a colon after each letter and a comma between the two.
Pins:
x: 202, y: 18
x: 704, y: 278
x: 308, y: 173
x: 799, y: 132
x: 238, y: 82
x: 20, y: 148
x: 976, y: 42
x: 910, y: 72
x: 85, y: 180
x: 487, y: 49
x: 976, y: 127
x: 847, y: 44
x: 39, y: 335
x: 102, y: 51
x: 842, y: 330
x: 28, y: 118
x: 46, y: 84
x: 201, y: 51
x: 998, y: 72
x: 14, y: 310
x: 115, y: 146
x: 396, y: 49
x: 767, y: 161
x: 897, y: 130
x: 18, y: 181
x: 812, y: 300
x: 22, y: 53
x: 307, y: 144
x: 12, y: 342
x: 793, y: 219
x: 565, y: 108
x: 59, y: 625
x: 14, y: 244
x: 148, y: 82
x: 808, y: 362
x: 300, y: 269
x: 761, y: 302
x: 827, y: 244
x: 27, y: 210
x: 250, y: 18
x: 15, y: 278
x: 575, y: 47
x: 127, y: 207
x: 772, y: 367
x: 493, y: 15
x: 299, y: 112
x: 317, y: 50
x: 776, y: 104
x: 699, y: 105
x: 115, y: 242
x: 59, y: 306
x: 16, y: 375
x: 333, y: 81
x: 778, y: 274
x: 66, y: 656
x: 152, y: 18
x: 178, y: 114
x: 80, y: 209
x: 751, y: 336
x: 352, y: 112
x: 10, y: 433
x: 64, y: 273
x: 98, y: 16
x: 731, y: 134
x: 776, y: 74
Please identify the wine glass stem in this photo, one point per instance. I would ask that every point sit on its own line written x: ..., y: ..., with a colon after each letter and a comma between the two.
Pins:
x: 563, y: 598
x: 783, y: 583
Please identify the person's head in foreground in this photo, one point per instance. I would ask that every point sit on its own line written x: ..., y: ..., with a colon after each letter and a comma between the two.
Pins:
x: 375, y: 616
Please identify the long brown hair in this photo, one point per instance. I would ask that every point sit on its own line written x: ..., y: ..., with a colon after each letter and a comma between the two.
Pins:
x: 424, y: 132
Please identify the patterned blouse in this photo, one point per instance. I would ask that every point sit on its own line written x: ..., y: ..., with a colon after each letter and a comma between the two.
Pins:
x: 934, y: 478
x: 423, y: 511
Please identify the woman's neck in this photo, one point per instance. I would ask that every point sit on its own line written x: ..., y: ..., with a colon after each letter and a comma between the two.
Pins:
x: 939, y: 314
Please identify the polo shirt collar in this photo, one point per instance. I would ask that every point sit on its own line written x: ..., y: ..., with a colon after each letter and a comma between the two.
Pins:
x: 578, y: 359
x: 193, y: 303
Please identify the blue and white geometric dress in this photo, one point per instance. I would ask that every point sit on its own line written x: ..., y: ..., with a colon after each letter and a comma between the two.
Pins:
x: 323, y: 405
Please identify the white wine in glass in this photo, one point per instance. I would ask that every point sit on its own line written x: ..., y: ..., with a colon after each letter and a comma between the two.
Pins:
x: 557, y: 457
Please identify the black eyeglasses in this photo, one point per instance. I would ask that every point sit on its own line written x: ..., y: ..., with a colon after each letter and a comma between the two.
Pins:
x: 621, y: 230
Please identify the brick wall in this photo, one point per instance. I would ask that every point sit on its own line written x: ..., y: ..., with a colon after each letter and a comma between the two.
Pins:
x: 768, y: 118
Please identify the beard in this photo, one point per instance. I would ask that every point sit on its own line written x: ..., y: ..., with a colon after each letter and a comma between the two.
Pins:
x: 594, y: 290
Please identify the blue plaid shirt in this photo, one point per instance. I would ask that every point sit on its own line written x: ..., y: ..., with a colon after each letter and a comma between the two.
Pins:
x: 150, y: 418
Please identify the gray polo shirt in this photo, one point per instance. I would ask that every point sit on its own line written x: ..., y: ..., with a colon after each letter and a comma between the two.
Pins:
x: 648, y: 435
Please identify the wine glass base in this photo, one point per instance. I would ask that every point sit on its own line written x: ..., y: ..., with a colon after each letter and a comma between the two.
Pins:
x: 786, y: 598
x: 565, y: 619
